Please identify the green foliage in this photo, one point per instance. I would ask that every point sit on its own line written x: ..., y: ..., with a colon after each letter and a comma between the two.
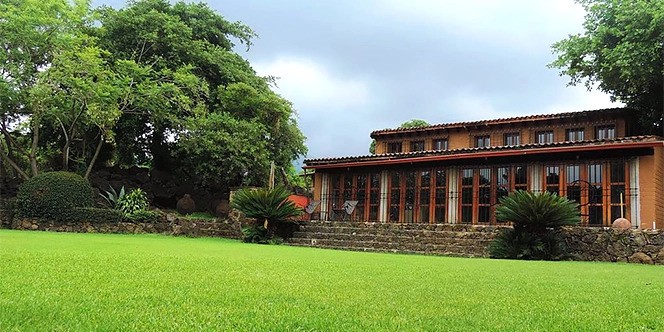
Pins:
x: 143, y: 216
x: 272, y: 210
x: 53, y: 195
x: 96, y: 215
x: 74, y: 78
x: 201, y: 216
x: 112, y: 197
x: 536, y: 218
x: 266, y: 204
x: 253, y: 234
x: 133, y: 202
x: 414, y: 123
x: 621, y: 53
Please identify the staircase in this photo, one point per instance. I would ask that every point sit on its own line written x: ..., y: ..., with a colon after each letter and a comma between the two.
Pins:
x: 432, y: 239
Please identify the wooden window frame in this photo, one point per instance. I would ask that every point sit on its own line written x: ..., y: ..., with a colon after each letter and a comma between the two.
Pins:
x: 485, y: 139
x: 575, y: 131
x: 607, y: 128
x: 606, y: 183
x: 546, y: 132
x: 390, y: 145
x: 512, y: 136
x: 436, y: 140
x: 414, y: 146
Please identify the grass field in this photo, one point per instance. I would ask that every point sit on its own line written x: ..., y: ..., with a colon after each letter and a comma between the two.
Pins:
x: 85, y: 282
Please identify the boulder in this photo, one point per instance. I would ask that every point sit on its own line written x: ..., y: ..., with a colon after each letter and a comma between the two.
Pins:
x: 640, y: 258
x: 622, y: 223
x: 222, y: 209
x: 185, y: 205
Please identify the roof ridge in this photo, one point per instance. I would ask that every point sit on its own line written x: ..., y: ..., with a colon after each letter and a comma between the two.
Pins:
x: 497, y: 120
x: 488, y: 148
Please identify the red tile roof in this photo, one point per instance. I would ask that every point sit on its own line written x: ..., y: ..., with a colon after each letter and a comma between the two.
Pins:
x: 528, y: 118
x: 405, y: 157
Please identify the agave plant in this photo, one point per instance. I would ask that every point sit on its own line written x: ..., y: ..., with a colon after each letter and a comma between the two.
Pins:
x: 270, y: 207
x: 536, y: 218
x: 112, y: 197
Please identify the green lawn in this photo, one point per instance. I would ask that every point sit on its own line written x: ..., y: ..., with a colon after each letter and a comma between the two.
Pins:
x: 83, y: 282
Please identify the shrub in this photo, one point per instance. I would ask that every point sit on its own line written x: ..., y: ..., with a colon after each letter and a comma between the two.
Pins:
x: 133, y: 202
x: 97, y: 215
x: 536, y: 217
x: 271, y: 209
x: 143, y: 216
x: 53, y: 195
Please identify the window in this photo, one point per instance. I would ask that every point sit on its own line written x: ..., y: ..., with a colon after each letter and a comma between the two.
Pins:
x: 605, y: 132
x: 482, y: 141
x: 440, y: 144
x: 512, y: 139
x: 394, y: 147
x: 363, y: 188
x: 574, y: 134
x: 417, y: 196
x: 544, y: 137
x: 417, y: 146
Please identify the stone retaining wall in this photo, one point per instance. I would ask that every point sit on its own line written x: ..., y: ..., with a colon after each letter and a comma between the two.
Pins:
x: 171, y: 225
x: 615, y: 245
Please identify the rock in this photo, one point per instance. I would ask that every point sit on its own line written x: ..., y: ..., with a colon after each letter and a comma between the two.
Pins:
x: 222, y: 209
x: 622, y: 223
x: 170, y: 217
x: 34, y: 227
x: 659, y: 259
x: 640, y: 258
x: 185, y: 205
x: 26, y: 224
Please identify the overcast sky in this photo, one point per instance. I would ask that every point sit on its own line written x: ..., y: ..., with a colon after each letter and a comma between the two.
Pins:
x: 354, y: 66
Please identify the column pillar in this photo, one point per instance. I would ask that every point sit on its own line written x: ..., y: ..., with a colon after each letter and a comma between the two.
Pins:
x: 384, y: 196
x: 324, y: 197
x: 453, y: 195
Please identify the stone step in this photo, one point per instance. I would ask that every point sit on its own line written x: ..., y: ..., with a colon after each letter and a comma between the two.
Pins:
x: 397, y: 232
x: 397, y: 248
x: 443, y: 249
x: 393, y: 238
x: 415, y: 226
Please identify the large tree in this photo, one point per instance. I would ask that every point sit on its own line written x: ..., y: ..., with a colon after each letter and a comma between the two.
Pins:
x: 620, y: 52
x: 153, y: 83
x: 161, y: 36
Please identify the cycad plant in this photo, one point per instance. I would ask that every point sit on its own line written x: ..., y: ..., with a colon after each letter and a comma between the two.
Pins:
x: 271, y: 209
x: 536, y: 218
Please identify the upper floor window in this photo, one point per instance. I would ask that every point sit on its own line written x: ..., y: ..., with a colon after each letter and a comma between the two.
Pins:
x: 440, y: 144
x: 544, y: 137
x: 482, y: 141
x: 394, y: 147
x: 605, y: 132
x: 512, y: 139
x: 417, y: 146
x: 574, y: 134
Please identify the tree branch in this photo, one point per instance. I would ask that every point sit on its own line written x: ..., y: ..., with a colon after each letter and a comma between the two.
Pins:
x: 94, y: 157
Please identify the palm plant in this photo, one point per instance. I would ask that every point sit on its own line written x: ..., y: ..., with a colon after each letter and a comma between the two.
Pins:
x: 536, y: 218
x: 270, y: 207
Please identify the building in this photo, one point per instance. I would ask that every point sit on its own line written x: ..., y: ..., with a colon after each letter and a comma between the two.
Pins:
x: 456, y: 172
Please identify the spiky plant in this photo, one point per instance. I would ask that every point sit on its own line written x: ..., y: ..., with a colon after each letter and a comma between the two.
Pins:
x: 536, y: 218
x: 270, y: 207
x: 112, y: 197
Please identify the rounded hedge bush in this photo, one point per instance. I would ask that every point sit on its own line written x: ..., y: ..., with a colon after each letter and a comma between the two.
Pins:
x: 53, y: 195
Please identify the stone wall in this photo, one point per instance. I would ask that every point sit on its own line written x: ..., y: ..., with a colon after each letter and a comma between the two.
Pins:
x: 171, y: 225
x: 615, y: 245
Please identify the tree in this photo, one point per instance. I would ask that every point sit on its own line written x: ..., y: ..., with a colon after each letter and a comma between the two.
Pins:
x: 163, y: 75
x: 413, y: 123
x: 230, y: 96
x: 621, y: 52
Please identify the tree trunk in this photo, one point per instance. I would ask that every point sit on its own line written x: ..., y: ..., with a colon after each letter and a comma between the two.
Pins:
x: 33, y: 151
x: 94, y: 157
